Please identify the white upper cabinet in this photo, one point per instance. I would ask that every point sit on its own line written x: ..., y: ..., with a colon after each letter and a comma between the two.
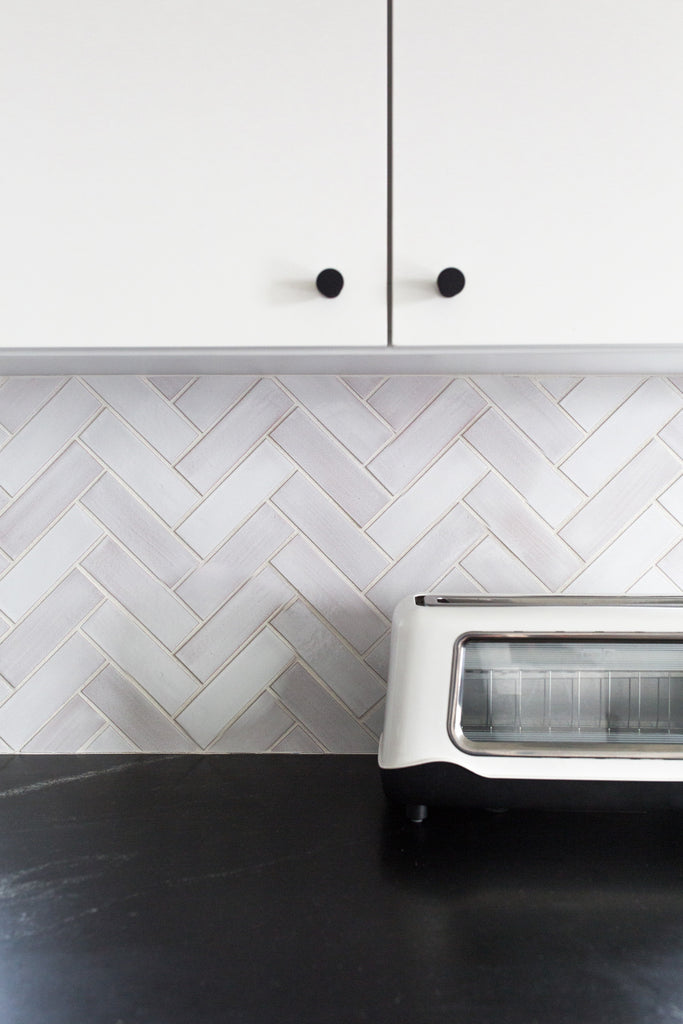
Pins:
x: 538, y: 149
x: 178, y: 172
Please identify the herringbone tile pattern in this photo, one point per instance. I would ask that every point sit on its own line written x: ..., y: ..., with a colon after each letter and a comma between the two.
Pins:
x: 211, y: 563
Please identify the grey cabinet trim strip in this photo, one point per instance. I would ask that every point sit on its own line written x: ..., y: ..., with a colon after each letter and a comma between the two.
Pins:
x: 640, y: 359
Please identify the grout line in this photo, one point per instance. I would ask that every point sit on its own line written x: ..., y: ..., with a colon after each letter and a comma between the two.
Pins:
x: 263, y: 439
x: 359, y: 593
x: 325, y: 686
x: 588, y: 431
x: 228, y: 595
x: 301, y: 532
x: 169, y: 590
x: 329, y: 434
x: 44, y: 532
x: 111, y: 662
x: 265, y: 624
x: 360, y: 658
x: 58, y: 646
x: 203, y: 434
x: 61, y: 707
x: 181, y: 391
x: 242, y: 711
x: 303, y: 406
x: 508, y: 417
x: 490, y: 534
x: 400, y: 431
x: 154, y: 396
x: 63, y: 379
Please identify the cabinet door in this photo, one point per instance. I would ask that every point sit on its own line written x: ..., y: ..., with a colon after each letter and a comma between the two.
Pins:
x: 177, y: 172
x: 538, y: 149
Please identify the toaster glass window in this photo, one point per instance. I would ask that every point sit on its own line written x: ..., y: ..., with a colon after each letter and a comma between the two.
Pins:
x: 607, y: 693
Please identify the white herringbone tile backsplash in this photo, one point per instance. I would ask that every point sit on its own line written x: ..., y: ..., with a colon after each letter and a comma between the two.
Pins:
x: 211, y: 563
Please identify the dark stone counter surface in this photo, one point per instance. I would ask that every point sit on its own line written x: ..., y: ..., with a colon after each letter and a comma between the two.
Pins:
x: 258, y: 889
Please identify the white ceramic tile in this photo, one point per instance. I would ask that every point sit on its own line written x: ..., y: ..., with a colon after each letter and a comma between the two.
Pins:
x: 331, y: 466
x: 140, y: 657
x: 261, y: 498
x: 298, y: 741
x: 378, y: 657
x: 521, y: 530
x: 47, y: 690
x: 236, y: 561
x: 240, y: 681
x: 256, y: 730
x: 597, y: 396
x: 48, y: 560
x: 136, y: 528
x: 329, y: 592
x: 43, y: 436
x: 498, y: 571
x: 21, y: 397
x: 629, y: 556
x: 46, y: 626
x: 558, y: 385
x: 238, y: 619
x: 134, y: 715
x: 374, y: 720
x: 321, y: 714
x: 69, y: 730
x: 338, y: 409
x: 329, y: 658
x: 234, y: 435
x: 400, y: 399
x: 672, y: 499
x: 672, y: 565
x: 655, y: 582
x: 145, y: 472
x: 46, y: 498
x: 363, y: 385
x: 330, y: 530
x: 619, y: 437
x: 428, y: 560
x: 534, y: 412
x: 140, y: 593
x: 456, y: 582
x: 428, y: 499
x: 211, y: 396
x: 146, y: 412
x: 236, y: 498
x: 170, y: 384
x: 633, y: 488
x: 430, y: 433
x: 523, y: 466
x: 109, y: 741
x: 672, y: 434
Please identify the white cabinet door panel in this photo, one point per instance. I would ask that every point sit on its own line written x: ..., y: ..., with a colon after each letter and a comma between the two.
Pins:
x: 538, y: 148
x: 177, y: 173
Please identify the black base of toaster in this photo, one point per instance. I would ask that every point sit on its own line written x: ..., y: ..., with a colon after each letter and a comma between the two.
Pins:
x: 440, y: 784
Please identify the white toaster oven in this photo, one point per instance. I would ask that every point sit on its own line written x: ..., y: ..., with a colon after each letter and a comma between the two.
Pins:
x: 555, y: 702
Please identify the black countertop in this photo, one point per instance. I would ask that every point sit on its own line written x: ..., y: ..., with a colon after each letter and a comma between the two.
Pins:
x: 240, y: 888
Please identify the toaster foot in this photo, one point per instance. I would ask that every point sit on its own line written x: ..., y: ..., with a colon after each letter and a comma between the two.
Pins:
x: 416, y: 812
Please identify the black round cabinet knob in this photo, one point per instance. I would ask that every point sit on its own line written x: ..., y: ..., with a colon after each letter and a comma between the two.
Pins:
x: 329, y: 283
x: 450, y: 282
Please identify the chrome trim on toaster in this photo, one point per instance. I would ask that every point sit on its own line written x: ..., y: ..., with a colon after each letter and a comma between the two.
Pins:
x: 560, y: 600
x: 597, y: 749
